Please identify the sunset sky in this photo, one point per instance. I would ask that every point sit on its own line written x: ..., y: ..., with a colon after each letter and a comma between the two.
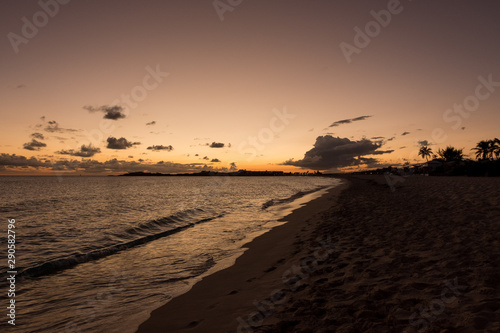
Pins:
x: 95, y: 87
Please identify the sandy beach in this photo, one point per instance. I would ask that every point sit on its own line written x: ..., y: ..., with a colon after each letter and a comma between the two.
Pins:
x: 419, y: 256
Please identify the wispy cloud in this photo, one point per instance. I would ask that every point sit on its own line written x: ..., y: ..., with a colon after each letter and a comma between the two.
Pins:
x: 53, y: 127
x: 34, y: 145
x: 38, y: 136
x: 217, y: 145
x: 85, y: 151
x: 161, y: 147
x: 348, y: 121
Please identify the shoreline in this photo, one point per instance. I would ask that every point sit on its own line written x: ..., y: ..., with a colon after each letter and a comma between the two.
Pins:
x: 418, y: 255
x: 219, y: 301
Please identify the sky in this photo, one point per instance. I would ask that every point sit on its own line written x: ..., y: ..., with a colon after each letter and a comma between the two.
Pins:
x: 106, y: 87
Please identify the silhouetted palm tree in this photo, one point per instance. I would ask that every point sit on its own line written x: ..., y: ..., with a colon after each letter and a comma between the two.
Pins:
x: 484, y: 150
x: 496, y: 147
x: 451, y: 154
x: 425, y: 152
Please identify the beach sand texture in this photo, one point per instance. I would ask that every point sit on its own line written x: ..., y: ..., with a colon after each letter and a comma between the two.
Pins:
x: 422, y: 256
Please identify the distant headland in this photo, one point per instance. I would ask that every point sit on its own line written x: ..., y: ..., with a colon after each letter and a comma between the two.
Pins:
x: 244, y: 173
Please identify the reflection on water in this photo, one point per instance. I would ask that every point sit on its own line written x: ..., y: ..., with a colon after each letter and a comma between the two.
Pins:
x: 99, y: 253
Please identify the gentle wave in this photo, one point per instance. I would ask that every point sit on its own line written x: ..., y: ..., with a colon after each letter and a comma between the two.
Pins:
x: 60, y: 264
x: 274, y: 202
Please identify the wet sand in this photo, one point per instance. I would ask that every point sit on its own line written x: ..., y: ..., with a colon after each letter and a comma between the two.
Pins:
x: 421, y: 255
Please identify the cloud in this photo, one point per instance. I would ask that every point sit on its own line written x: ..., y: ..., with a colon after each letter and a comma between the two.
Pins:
x: 12, y: 163
x: 233, y: 167
x: 216, y: 145
x: 53, y: 127
x: 38, y: 136
x: 424, y: 143
x: 206, y: 158
x: 377, y: 138
x: 348, y: 121
x: 121, y: 143
x: 85, y: 151
x: 114, y: 112
x: 331, y: 153
x: 34, y: 145
x: 151, y: 123
x: 405, y: 133
x: 21, y: 161
x: 20, y: 86
x: 160, y: 147
x: 215, y: 160
x: 390, y: 139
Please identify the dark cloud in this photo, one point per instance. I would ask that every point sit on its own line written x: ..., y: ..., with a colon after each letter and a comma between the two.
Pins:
x: 405, y: 133
x: 85, y: 151
x: 121, y: 143
x: 215, y: 160
x: 377, y: 138
x: 38, y: 136
x: 20, y: 86
x: 160, y: 147
x: 113, y: 112
x: 21, y: 161
x: 390, y: 139
x: 402, y: 147
x: 196, y: 155
x: 34, y: 145
x: 424, y: 143
x: 14, y: 162
x: 348, y: 121
x: 206, y: 158
x: 233, y: 167
x: 216, y: 145
x: 333, y: 153
x: 151, y: 123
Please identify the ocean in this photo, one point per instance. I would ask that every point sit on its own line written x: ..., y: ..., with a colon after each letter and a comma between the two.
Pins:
x: 98, y: 254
